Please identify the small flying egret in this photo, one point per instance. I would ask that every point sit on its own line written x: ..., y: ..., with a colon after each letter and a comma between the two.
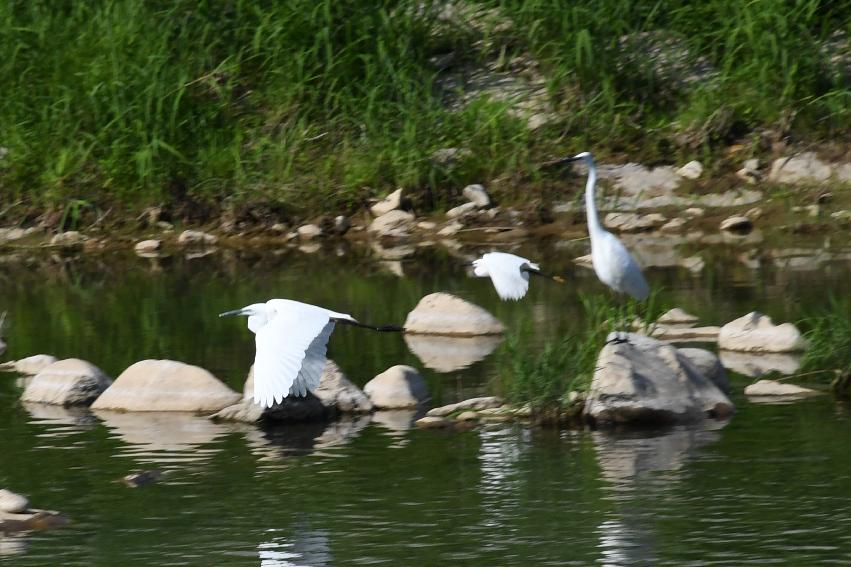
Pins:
x: 509, y: 273
x: 292, y: 340
x: 613, y: 263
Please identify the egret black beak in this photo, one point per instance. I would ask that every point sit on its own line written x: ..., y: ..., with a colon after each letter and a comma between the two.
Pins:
x: 233, y: 313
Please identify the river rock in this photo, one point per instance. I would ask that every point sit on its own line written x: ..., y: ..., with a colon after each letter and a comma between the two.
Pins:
x: 775, y: 388
x: 445, y: 314
x: 677, y: 316
x: 166, y: 385
x: 737, y: 223
x: 69, y: 238
x: 308, y: 232
x: 460, y: 210
x: 709, y: 365
x: 674, y: 225
x: 30, y: 365
x: 431, y: 422
x: 646, y: 380
x: 12, y: 502
x: 755, y: 364
x: 755, y: 332
x: 634, y: 222
x: 450, y: 229
x: 477, y: 195
x: 148, y: 246
x: 475, y: 404
x: 338, y: 392
x: 397, y: 387
x: 196, y: 237
x: 67, y: 382
x: 391, y: 202
x: 802, y: 168
x: 691, y: 170
x: 681, y: 333
x: 395, y: 223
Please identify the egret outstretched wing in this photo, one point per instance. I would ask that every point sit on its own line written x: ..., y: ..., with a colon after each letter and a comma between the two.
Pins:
x: 507, y: 274
x: 298, y: 333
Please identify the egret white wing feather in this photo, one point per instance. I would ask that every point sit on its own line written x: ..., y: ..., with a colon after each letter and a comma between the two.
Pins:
x: 507, y: 275
x: 314, y: 363
x: 282, y: 346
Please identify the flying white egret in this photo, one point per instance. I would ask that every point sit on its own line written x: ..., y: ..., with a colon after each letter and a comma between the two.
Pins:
x: 509, y: 273
x: 292, y: 340
x: 613, y: 263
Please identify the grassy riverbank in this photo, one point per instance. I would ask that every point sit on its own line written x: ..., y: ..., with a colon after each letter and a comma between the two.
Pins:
x: 303, y: 107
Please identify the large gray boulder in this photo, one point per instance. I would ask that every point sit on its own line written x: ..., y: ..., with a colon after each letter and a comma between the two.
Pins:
x: 445, y: 314
x: 166, y: 385
x: 646, y: 380
x: 397, y: 387
x: 709, y: 365
x: 67, y: 382
x: 755, y: 332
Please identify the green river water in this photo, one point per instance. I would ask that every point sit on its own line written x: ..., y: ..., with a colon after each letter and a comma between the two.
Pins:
x: 770, y: 486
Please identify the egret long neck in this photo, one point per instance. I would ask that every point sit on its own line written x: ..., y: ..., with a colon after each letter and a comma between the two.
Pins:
x: 590, y: 203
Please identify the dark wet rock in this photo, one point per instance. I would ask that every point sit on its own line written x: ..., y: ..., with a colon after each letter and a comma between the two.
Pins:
x: 474, y: 404
x: 166, y: 385
x: 398, y: 387
x: 802, y: 168
x: 342, y: 224
x: 477, y: 195
x: 391, y: 202
x: 395, y: 223
x: 773, y: 388
x: 756, y: 332
x: 142, y: 478
x: 737, y: 223
x: 709, y: 364
x: 196, y: 237
x: 30, y: 520
x: 30, y: 365
x: 445, y: 314
x: 691, y: 170
x: 67, y: 382
x: 645, y: 380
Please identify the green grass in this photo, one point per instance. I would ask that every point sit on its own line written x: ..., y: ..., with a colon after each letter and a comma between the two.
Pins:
x: 828, y: 332
x: 548, y: 378
x: 301, y: 106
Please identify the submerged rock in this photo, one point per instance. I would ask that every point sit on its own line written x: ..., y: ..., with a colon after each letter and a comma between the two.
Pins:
x: 166, y: 385
x: 398, y: 387
x: 755, y: 332
x: 483, y: 403
x: 67, y: 382
x: 135, y: 480
x: 445, y: 314
x: 775, y: 388
x: 646, y: 380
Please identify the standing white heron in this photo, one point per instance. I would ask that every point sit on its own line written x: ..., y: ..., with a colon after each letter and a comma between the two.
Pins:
x: 292, y: 339
x: 613, y: 263
x: 509, y: 273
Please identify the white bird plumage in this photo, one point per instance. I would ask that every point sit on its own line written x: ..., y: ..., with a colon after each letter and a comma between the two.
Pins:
x: 292, y: 339
x: 613, y: 263
x: 509, y: 273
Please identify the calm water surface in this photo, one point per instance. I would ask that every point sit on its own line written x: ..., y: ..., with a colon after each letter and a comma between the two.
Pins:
x: 770, y: 486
